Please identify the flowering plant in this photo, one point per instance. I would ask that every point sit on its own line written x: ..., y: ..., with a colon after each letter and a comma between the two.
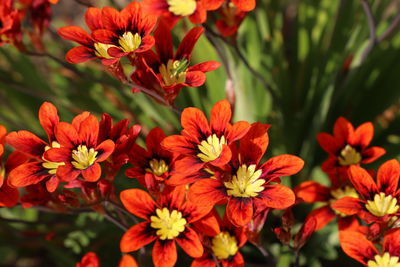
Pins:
x: 199, y: 133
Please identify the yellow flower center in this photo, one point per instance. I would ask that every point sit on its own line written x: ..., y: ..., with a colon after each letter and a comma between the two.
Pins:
x: 174, y: 72
x: 245, y: 183
x: 211, y: 148
x: 182, y: 7
x: 52, y: 166
x: 349, y: 156
x: 158, y: 167
x: 129, y: 42
x: 384, y: 261
x: 224, y: 245
x: 83, y: 157
x: 169, y: 224
x: 100, y: 50
x: 342, y: 192
x: 382, y: 205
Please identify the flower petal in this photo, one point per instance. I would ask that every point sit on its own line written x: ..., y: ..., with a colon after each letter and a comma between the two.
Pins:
x: 195, y: 124
x: 49, y: 119
x: 92, y: 173
x: 245, y: 5
x: 164, y: 253
x: 80, y: 54
x: 207, y: 192
x: 363, y: 182
x: 186, y: 46
x: 138, y: 202
x: 26, y: 142
x: 277, y: 196
x: 362, y: 136
x: 128, y: 261
x: 27, y: 174
x: 283, y: 165
x: 76, y: 34
x: 388, y: 177
x: 137, y: 237
x: 322, y: 216
x: 311, y: 192
x: 189, y: 241
x: 239, y: 210
x: 357, y: 246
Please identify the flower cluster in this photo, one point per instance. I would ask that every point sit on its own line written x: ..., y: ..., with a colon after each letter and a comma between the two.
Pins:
x: 15, y: 13
x: 211, y: 165
x: 366, y: 209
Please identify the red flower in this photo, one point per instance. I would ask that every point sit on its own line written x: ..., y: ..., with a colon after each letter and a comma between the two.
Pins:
x: 348, y: 146
x: 166, y: 222
x: 224, y: 245
x: 8, y: 194
x: 10, y: 24
x: 248, y: 185
x: 202, y: 143
x: 124, y: 138
x: 80, y: 150
x: 242, y: 5
x: 358, y: 247
x: 152, y: 166
x: 313, y: 192
x: 126, y: 32
x: 379, y: 201
x: 230, y: 20
x: 89, y: 260
x: 174, y: 10
x: 41, y: 169
x: 128, y: 261
x: 166, y: 73
x: 89, y: 49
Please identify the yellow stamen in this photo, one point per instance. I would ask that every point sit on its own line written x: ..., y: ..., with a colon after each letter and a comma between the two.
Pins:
x: 384, y: 261
x: 174, y: 72
x: 349, y: 156
x: 83, y: 157
x: 129, y: 42
x: 382, y: 205
x: 181, y: 7
x: 158, y: 167
x: 211, y: 148
x: 52, y: 166
x: 224, y: 245
x: 245, y: 183
x: 169, y: 224
x: 342, y: 192
x: 101, y: 50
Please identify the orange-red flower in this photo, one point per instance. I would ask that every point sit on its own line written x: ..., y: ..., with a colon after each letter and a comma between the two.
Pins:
x: 9, y: 195
x: 80, y: 152
x: 224, y: 245
x: 247, y: 184
x: 89, y: 49
x: 152, y: 166
x: 243, y: 5
x: 202, y: 143
x: 90, y: 259
x: 313, y: 192
x: 124, y: 138
x: 379, y: 201
x: 174, y: 10
x: 348, y: 146
x: 126, y: 32
x: 166, y: 73
x: 230, y: 19
x: 358, y: 247
x: 10, y: 23
x: 41, y: 169
x: 166, y: 222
